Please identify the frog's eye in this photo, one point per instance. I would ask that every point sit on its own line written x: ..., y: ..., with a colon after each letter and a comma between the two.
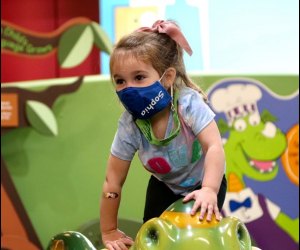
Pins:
x: 155, y: 235
x: 242, y: 234
x: 236, y: 234
x: 240, y: 125
x: 254, y: 119
x: 152, y: 236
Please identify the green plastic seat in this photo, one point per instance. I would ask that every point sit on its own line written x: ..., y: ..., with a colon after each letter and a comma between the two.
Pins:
x: 91, y: 230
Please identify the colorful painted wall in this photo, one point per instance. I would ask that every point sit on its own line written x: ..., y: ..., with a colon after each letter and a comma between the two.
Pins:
x: 59, y: 176
x: 59, y: 116
x: 261, y: 142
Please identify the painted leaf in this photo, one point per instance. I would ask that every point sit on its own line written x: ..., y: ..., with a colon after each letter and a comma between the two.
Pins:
x: 266, y: 116
x: 223, y: 126
x: 102, y: 40
x: 75, y: 45
x: 41, y: 118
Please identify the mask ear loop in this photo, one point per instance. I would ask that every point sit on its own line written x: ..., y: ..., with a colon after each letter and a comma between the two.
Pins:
x: 162, y: 78
x: 172, y: 96
x: 172, y: 93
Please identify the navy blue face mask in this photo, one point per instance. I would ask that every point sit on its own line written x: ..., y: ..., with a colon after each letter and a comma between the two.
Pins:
x: 144, y: 102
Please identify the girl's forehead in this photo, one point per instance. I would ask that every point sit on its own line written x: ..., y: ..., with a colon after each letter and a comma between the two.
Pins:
x: 128, y: 61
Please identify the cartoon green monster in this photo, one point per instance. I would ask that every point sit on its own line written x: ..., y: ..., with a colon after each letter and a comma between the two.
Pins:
x: 253, y: 146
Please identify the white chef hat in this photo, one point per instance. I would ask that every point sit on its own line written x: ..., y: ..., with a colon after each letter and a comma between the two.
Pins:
x: 237, y: 100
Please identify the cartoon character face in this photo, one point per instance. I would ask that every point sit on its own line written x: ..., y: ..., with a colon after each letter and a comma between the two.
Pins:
x: 254, y: 146
x: 176, y: 229
x: 254, y: 143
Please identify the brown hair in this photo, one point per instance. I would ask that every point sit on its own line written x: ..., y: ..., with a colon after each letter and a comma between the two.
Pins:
x: 160, y: 51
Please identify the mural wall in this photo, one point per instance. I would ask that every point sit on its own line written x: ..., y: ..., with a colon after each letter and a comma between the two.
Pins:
x: 261, y: 141
x: 58, y: 171
x: 44, y: 41
x: 57, y: 130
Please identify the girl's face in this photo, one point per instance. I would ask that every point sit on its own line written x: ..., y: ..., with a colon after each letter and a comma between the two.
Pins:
x: 130, y: 72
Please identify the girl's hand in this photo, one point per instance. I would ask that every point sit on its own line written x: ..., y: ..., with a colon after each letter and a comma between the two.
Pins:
x: 116, y: 240
x: 206, y: 200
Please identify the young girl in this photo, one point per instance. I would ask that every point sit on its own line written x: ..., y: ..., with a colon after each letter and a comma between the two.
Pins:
x: 170, y: 126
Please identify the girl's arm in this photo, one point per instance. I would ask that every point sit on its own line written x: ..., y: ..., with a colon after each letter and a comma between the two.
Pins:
x: 214, y: 165
x: 113, y: 238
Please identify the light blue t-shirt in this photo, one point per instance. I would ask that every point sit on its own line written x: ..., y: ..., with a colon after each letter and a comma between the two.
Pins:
x: 179, y: 164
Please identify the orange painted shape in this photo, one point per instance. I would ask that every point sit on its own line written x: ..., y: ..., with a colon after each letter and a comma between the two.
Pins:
x: 9, y: 110
x: 183, y: 220
x: 234, y: 183
x: 14, y: 242
x: 290, y: 158
x: 10, y: 221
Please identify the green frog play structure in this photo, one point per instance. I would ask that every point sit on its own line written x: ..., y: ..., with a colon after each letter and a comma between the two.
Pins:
x: 175, y: 229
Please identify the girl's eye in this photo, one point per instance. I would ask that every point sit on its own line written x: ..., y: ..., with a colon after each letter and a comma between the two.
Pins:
x: 119, y: 81
x: 140, y: 77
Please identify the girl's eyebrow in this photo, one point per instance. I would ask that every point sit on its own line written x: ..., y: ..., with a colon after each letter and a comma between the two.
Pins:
x: 139, y: 72
x: 132, y: 73
x: 116, y: 76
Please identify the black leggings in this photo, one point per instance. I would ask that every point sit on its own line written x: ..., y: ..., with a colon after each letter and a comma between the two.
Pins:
x: 159, y: 197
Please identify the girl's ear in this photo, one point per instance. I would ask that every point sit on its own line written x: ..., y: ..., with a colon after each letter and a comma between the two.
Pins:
x: 169, y: 77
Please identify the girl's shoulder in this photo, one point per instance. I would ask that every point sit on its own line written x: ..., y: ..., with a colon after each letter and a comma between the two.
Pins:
x: 189, y: 97
x: 126, y: 121
x: 126, y: 118
x: 193, y: 110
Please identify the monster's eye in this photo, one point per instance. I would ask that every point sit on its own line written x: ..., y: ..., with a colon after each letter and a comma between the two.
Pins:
x: 242, y: 235
x: 240, y: 125
x: 155, y: 234
x: 254, y: 119
x: 152, y: 235
x: 240, y: 232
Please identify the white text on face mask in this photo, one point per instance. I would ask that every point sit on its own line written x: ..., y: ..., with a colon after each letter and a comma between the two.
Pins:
x: 154, y: 101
